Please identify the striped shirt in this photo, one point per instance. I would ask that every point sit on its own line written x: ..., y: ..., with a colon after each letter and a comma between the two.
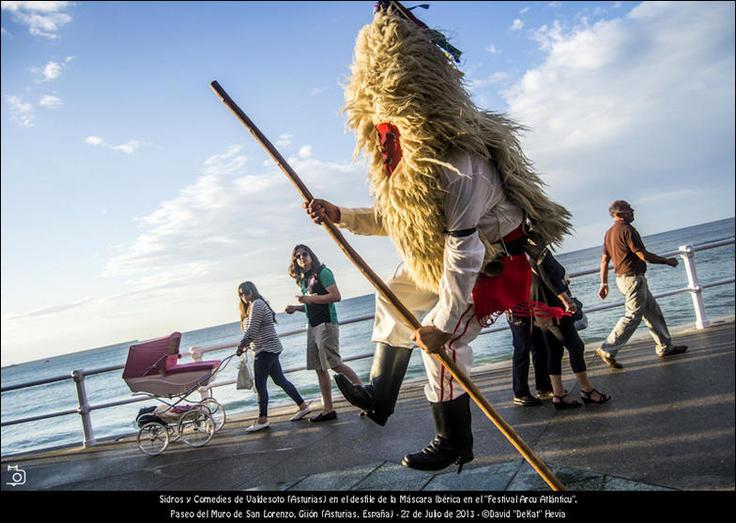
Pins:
x: 260, y: 333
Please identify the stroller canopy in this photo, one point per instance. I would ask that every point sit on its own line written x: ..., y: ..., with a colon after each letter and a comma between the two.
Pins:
x: 149, y: 358
x: 153, y: 367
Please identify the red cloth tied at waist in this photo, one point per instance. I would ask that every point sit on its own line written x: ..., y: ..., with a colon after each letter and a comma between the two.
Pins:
x: 510, y: 291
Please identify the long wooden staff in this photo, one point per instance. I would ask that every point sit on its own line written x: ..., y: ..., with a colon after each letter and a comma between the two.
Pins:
x: 381, y: 287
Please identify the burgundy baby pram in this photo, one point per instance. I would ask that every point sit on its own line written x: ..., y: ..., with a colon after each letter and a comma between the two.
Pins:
x: 153, y: 369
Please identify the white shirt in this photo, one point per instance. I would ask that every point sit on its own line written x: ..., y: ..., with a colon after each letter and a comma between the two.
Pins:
x: 474, y: 199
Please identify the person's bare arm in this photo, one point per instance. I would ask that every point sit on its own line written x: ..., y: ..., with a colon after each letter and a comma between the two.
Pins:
x: 650, y: 257
x: 603, y: 290
x: 291, y: 309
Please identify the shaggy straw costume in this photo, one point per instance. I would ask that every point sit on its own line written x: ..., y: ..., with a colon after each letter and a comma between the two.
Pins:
x: 400, y: 76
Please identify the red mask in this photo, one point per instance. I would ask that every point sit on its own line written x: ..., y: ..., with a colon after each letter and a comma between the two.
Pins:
x: 388, y: 137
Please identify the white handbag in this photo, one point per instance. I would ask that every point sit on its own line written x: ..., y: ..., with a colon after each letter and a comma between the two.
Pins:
x: 245, y: 378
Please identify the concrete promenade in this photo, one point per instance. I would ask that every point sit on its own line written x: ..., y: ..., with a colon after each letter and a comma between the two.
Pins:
x: 669, y: 426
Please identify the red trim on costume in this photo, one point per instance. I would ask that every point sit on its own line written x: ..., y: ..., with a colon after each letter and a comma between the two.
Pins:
x: 454, y: 357
x: 449, y: 344
x: 442, y: 383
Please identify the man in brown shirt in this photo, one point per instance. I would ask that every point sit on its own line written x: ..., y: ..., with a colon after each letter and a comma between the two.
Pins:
x: 623, y: 245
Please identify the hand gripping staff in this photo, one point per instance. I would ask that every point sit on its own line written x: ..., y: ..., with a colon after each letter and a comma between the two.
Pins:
x: 526, y: 452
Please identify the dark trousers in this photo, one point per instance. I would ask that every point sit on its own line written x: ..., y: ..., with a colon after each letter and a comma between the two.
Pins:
x: 528, y: 340
x: 562, y: 336
x: 267, y: 364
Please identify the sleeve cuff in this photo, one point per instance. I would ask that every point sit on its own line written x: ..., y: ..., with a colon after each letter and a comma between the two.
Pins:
x: 347, y: 218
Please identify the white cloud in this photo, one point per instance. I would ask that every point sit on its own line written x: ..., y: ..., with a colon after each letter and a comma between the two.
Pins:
x: 230, y: 162
x: 492, y: 49
x: 51, y: 71
x: 284, y: 140
x: 51, y: 102
x: 21, y: 112
x: 305, y: 152
x: 128, y: 148
x: 523, y: 11
x: 5, y: 32
x: 224, y: 221
x: 547, y: 36
x: 53, y: 309
x: 317, y: 91
x: 495, y: 78
x: 639, y: 102
x: 42, y: 18
x: 517, y: 25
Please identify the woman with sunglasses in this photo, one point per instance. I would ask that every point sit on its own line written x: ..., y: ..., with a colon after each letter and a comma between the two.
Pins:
x: 257, y: 321
x: 319, y: 295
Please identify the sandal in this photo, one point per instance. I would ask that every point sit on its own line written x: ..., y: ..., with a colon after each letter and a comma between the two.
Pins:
x: 561, y: 405
x: 587, y: 399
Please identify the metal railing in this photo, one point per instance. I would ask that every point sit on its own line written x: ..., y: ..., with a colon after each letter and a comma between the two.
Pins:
x: 686, y: 252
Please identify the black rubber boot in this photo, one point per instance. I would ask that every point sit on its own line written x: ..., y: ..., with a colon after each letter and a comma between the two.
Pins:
x: 453, y: 442
x: 378, y: 398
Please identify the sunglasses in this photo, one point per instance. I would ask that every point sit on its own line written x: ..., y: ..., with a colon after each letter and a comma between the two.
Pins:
x: 301, y: 255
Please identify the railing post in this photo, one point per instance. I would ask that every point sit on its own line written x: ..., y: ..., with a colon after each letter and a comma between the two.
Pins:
x: 696, y: 291
x: 196, y: 353
x: 83, y: 409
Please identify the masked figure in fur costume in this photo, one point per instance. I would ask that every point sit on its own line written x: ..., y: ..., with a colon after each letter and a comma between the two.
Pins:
x: 457, y: 197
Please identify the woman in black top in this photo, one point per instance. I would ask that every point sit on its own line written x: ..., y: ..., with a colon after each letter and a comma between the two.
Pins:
x: 550, y: 286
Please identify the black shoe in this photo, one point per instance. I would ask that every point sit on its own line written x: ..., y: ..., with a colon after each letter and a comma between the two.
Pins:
x: 671, y: 351
x: 587, y: 397
x: 453, y: 442
x: 439, y: 454
x: 324, y: 417
x: 562, y: 405
x: 527, y: 401
x: 361, y: 396
x: 378, y: 398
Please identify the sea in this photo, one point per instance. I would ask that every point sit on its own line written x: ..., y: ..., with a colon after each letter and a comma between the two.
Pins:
x: 109, y: 423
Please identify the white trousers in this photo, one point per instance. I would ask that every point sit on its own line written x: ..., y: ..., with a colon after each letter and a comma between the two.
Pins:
x: 391, y: 331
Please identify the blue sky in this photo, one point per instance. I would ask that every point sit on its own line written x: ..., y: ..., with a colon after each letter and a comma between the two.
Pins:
x: 133, y: 202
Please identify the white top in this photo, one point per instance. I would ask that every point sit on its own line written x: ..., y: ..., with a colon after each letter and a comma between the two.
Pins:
x: 474, y: 198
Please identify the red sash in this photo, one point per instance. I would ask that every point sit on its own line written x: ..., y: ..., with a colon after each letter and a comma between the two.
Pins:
x: 510, y: 291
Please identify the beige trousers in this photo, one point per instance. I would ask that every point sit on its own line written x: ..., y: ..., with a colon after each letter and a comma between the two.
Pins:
x: 640, y: 304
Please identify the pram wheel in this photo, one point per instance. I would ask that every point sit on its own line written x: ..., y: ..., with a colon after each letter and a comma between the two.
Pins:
x: 153, y: 438
x: 196, y: 427
x: 217, y: 411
